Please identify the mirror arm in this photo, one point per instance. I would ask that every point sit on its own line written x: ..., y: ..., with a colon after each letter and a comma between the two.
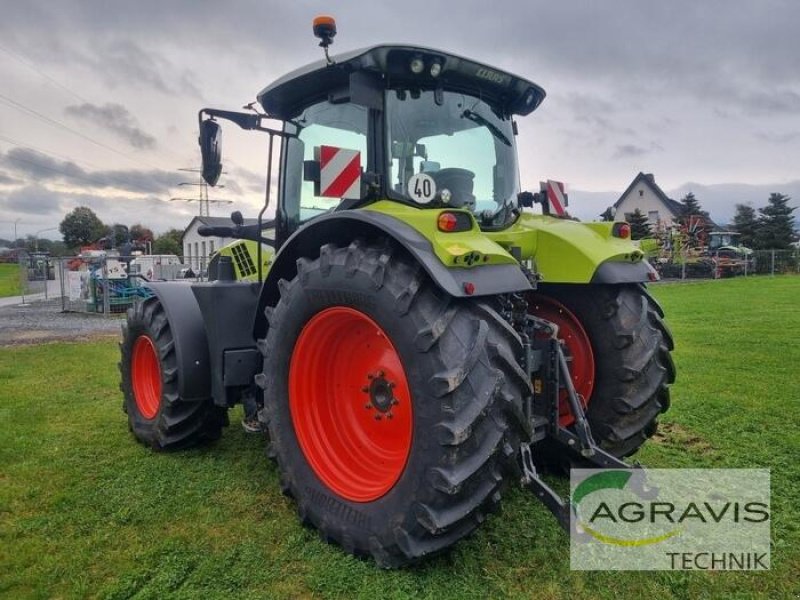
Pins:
x: 243, y: 120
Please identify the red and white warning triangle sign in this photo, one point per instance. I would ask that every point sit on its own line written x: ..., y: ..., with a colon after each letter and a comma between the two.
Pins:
x: 339, y: 172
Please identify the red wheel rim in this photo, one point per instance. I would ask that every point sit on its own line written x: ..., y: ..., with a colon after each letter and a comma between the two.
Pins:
x: 146, y: 377
x: 578, y: 350
x: 350, y: 404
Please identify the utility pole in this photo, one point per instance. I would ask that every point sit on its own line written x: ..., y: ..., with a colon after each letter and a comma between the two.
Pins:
x: 202, y: 198
x: 36, y: 235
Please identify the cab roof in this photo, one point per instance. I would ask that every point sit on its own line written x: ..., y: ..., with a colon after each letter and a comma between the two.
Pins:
x: 507, y: 93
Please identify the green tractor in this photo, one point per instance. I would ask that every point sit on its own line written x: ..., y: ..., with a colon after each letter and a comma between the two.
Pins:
x: 418, y: 335
x: 729, y: 255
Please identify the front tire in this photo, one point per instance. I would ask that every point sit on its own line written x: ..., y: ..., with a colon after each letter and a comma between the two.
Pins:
x: 361, y: 333
x: 157, y: 415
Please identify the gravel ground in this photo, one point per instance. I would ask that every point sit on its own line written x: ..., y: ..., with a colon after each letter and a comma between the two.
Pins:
x: 44, y: 322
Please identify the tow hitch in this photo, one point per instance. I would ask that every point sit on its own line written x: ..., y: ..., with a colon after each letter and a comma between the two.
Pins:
x: 545, y: 360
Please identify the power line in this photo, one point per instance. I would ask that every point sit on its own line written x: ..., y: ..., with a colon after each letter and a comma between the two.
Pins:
x: 131, y: 185
x: 55, y: 170
x: 81, y: 176
x: 19, y: 58
x: 24, y: 61
x: 14, y: 104
x: 14, y: 142
x: 33, y: 67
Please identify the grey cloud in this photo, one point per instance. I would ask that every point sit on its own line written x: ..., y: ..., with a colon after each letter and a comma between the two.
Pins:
x: 43, y: 207
x: 231, y: 187
x: 253, y: 182
x: 637, y: 50
x: 634, y: 151
x: 600, y: 116
x: 585, y: 105
x: 31, y: 200
x: 732, y: 100
x: 627, y: 63
x: 786, y: 137
x: 40, y: 167
x: 125, y: 61
x: 644, y: 41
x: 774, y: 102
x: 7, y: 180
x: 115, y: 118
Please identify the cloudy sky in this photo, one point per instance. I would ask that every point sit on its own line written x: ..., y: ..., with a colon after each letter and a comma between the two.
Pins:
x: 99, y: 99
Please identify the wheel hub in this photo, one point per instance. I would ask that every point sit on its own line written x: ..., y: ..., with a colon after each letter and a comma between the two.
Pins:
x: 381, y: 395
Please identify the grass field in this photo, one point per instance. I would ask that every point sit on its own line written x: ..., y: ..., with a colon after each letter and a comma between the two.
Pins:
x: 87, y: 512
x: 9, y: 280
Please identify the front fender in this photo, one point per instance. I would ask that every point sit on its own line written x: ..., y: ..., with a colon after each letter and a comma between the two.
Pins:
x: 189, y: 335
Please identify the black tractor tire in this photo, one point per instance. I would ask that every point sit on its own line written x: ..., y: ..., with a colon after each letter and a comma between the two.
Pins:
x: 466, y: 391
x: 157, y: 415
x: 631, y: 345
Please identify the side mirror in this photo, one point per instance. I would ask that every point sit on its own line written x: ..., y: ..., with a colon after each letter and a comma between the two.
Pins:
x: 237, y: 218
x: 211, y: 150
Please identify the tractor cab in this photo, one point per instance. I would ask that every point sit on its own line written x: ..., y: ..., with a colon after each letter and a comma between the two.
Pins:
x: 413, y: 125
x: 727, y: 244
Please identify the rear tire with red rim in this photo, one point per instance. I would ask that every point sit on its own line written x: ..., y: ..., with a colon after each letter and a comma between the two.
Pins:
x: 157, y: 415
x: 624, y: 374
x: 391, y: 406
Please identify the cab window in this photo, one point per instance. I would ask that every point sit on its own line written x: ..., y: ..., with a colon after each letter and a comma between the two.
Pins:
x: 324, y: 124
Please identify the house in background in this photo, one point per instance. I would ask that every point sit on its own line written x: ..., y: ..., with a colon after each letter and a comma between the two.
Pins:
x: 643, y: 193
x: 198, y: 249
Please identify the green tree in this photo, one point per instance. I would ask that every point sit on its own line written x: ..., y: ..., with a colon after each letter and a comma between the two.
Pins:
x: 57, y: 248
x: 775, y: 223
x: 118, y: 234
x: 607, y: 214
x: 170, y: 242
x: 81, y: 227
x: 640, y: 228
x: 140, y: 233
x: 745, y: 223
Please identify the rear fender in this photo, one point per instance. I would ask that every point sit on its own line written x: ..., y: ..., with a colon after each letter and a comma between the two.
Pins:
x: 341, y: 228
x: 566, y: 251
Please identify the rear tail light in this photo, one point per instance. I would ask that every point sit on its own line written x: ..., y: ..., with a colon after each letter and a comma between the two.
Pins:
x: 451, y: 221
x: 621, y: 230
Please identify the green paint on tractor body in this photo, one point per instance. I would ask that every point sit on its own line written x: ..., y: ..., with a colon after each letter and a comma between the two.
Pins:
x: 563, y: 250
x: 245, y: 267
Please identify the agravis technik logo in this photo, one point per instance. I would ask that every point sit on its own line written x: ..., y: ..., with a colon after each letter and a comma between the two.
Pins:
x: 670, y: 519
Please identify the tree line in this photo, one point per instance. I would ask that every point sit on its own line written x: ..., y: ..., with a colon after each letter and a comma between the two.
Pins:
x: 770, y: 227
x: 82, y: 227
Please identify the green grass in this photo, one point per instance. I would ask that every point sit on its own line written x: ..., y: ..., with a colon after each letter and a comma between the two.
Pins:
x: 87, y: 512
x: 9, y: 280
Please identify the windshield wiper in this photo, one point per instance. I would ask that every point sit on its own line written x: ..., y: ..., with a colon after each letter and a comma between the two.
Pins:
x: 480, y: 120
